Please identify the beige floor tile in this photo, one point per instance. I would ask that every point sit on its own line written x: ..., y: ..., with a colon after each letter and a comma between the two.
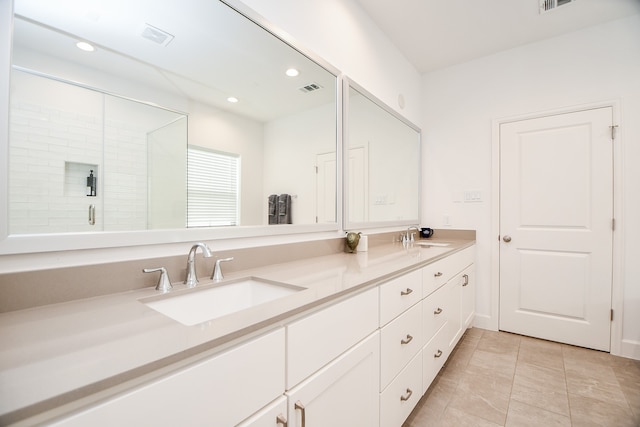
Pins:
x: 499, y: 342
x: 541, y: 387
x: 596, y: 381
x: 628, y: 375
x: 483, y: 396
x: 488, y: 363
x: 523, y: 415
x: 541, y: 353
x: 429, y: 410
x: 497, y: 379
x: 454, y: 417
x: 578, y: 354
x: 589, y: 412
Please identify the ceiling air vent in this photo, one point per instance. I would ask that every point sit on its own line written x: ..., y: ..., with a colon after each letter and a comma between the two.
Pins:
x: 311, y: 87
x: 156, y: 35
x: 547, y: 5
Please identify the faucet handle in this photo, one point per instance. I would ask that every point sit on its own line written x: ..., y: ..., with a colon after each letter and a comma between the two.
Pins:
x: 164, y: 284
x: 217, y: 270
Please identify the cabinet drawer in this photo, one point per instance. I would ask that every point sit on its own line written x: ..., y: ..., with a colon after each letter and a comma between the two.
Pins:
x: 435, y: 311
x: 399, y: 294
x: 222, y: 390
x: 315, y: 340
x: 434, y: 354
x: 401, y: 396
x: 400, y: 341
x: 433, y: 276
x: 437, y: 274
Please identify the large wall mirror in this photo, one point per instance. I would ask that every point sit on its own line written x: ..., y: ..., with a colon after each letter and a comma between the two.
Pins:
x: 382, y: 163
x: 167, y: 118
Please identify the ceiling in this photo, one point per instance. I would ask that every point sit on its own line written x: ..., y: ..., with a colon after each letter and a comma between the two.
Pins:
x: 434, y: 34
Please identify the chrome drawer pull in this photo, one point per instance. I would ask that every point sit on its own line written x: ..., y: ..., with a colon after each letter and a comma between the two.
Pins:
x: 438, y: 274
x: 407, y: 395
x: 438, y: 354
x: 438, y: 311
x: 299, y: 405
x: 406, y: 340
x: 281, y: 419
x: 407, y: 292
x: 466, y: 279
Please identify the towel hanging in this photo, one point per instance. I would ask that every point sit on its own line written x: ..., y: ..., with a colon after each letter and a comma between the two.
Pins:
x: 273, y: 201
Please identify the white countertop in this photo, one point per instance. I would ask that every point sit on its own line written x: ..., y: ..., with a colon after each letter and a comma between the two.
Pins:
x: 88, y: 345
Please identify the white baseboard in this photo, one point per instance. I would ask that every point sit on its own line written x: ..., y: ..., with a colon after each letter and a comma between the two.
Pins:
x: 630, y: 349
x: 484, y: 321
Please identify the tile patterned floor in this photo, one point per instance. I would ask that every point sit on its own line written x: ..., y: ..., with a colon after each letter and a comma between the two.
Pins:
x: 501, y: 379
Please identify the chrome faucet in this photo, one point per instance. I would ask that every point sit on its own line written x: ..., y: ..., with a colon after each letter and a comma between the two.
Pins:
x: 191, y: 279
x: 408, y: 236
x: 217, y: 275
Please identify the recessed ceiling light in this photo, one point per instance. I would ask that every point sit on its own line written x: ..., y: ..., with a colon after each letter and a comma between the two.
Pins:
x: 85, y: 46
x: 232, y: 99
x: 292, y: 72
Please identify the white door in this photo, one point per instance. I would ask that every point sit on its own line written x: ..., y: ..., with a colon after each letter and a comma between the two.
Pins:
x: 556, y: 211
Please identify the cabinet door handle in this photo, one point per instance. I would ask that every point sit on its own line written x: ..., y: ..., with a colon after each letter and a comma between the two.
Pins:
x: 438, y: 311
x: 300, y: 406
x: 438, y: 274
x: 407, y: 292
x: 466, y: 279
x: 281, y: 419
x: 92, y: 214
x: 438, y: 354
x: 407, y: 395
x: 406, y: 340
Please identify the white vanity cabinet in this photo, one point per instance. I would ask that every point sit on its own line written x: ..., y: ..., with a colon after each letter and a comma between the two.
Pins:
x: 468, y: 297
x: 448, y: 310
x: 222, y: 390
x: 333, y: 365
x: 342, y: 394
x: 400, y: 347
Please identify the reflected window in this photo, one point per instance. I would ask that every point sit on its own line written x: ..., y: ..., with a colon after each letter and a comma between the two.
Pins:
x: 213, y: 193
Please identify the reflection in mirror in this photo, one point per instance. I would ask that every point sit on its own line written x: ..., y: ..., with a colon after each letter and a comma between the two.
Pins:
x: 147, y: 113
x: 383, y: 166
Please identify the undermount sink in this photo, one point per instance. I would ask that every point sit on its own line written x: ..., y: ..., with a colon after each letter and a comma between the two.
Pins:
x: 434, y: 244
x: 199, y: 305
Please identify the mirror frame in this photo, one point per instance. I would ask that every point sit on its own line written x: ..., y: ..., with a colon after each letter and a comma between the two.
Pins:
x: 350, y: 84
x: 29, y: 243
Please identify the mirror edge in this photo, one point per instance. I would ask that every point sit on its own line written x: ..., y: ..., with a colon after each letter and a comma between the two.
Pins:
x: 24, y: 244
x: 6, y: 38
x: 347, y: 84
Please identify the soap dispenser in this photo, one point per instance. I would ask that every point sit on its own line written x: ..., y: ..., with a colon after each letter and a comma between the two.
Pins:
x: 92, y: 184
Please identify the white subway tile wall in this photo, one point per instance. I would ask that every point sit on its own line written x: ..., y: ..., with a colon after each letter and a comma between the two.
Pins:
x: 52, y: 152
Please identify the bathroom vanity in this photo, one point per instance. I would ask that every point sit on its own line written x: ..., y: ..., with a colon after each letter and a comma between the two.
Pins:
x: 357, y: 344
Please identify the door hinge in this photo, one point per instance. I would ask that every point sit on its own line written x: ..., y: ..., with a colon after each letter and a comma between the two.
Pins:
x: 316, y: 169
x: 613, y: 131
x: 613, y: 224
x: 612, y: 314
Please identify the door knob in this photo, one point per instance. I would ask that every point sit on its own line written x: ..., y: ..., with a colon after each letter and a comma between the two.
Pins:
x: 507, y: 239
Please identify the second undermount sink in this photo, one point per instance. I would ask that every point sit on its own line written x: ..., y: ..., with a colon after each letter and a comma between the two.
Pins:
x: 199, y: 305
x: 433, y: 244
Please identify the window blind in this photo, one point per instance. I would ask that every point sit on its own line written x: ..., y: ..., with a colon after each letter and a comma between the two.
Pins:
x: 212, y: 188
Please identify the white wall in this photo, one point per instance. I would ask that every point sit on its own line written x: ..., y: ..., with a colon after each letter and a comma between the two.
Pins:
x: 601, y: 63
x: 340, y: 32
